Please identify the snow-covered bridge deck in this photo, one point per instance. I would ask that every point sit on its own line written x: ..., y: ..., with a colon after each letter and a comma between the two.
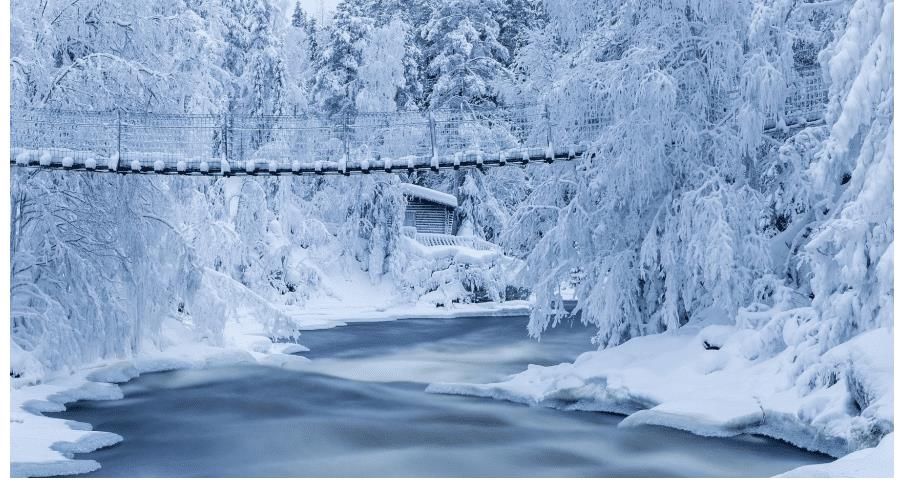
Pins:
x: 174, y: 144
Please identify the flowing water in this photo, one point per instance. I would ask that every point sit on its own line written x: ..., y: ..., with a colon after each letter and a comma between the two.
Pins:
x: 360, y: 409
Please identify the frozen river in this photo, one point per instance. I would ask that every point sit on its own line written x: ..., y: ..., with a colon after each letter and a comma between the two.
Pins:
x: 361, y: 410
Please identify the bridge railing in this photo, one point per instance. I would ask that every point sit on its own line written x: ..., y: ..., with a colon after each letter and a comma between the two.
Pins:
x: 83, y: 135
x: 147, y: 138
x: 439, y: 239
x: 363, y: 141
x: 807, y: 100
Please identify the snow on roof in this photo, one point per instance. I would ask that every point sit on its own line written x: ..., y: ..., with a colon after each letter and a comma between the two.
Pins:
x: 429, y: 195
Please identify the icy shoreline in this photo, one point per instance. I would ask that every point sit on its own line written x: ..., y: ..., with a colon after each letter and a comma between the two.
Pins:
x: 42, y: 446
x: 672, y: 380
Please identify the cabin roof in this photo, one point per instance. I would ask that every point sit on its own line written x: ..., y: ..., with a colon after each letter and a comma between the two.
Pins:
x: 431, y: 195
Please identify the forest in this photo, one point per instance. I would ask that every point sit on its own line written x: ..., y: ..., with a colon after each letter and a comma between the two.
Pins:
x: 698, y: 200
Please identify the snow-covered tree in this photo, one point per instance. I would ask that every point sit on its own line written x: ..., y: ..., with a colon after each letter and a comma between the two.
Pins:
x: 96, y: 268
x: 252, y: 57
x: 373, y: 225
x: 381, y: 75
x: 466, y: 63
x: 107, y: 55
x: 299, y: 53
x: 663, y: 221
x: 336, y: 84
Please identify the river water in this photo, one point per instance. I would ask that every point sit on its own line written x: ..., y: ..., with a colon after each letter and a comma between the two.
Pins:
x: 360, y: 409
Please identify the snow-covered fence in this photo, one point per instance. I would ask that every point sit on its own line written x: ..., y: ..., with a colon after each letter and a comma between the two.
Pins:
x: 360, y: 143
x: 438, y: 239
x: 170, y: 138
x: 84, y: 136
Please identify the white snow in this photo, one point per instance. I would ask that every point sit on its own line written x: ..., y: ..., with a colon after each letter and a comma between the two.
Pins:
x: 158, y: 165
x: 429, y: 195
x: 91, y: 163
x: 136, y: 165
x: 67, y: 162
x: 672, y: 380
x: 868, y: 462
x: 45, y: 159
x: 181, y: 166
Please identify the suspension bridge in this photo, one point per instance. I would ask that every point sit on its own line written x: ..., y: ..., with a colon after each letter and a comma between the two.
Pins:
x: 395, y: 142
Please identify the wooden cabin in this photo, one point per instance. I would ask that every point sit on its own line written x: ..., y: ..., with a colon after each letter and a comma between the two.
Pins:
x: 428, y: 210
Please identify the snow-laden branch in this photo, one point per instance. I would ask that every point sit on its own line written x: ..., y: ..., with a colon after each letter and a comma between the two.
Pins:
x: 84, y: 61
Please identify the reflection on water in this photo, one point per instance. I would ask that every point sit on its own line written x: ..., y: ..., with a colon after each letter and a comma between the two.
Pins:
x: 260, y: 421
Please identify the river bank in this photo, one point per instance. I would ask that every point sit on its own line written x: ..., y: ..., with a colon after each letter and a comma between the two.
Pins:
x: 46, y: 446
x: 359, y: 408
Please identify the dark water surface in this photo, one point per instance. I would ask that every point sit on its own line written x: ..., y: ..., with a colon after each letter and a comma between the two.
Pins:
x: 361, y: 410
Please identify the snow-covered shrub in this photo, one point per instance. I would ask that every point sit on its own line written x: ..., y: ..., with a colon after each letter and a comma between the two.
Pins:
x: 444, y: 275
x: 373, y: 226
x: 479, y: 212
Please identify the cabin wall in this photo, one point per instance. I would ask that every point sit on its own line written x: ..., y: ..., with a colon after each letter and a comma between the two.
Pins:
x: 428, y: 217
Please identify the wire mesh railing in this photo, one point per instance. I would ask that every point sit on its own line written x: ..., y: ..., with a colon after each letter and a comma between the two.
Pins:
x: 807, y: 99
x: 171, y: 143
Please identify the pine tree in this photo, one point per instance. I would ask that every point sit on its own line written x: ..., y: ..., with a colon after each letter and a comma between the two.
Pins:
x: 517, y: 20
x: 466, y: 63
x: 299, y: 16
x: 336, y: 83
x: 252, y: 57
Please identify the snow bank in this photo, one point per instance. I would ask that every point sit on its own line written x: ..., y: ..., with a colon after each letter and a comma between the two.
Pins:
x: 42, y: 446
x: 682, y: 380
x: 869, y: 462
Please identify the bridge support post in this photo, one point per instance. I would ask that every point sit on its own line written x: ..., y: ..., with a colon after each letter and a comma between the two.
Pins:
x: 226, y: 137
x: 118, y: 138
x: 550, y: 153
x: 432, y: 123
x: 345, y: 135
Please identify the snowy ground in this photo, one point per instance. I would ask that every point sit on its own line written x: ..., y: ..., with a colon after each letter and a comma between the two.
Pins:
x: 673, y: 380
